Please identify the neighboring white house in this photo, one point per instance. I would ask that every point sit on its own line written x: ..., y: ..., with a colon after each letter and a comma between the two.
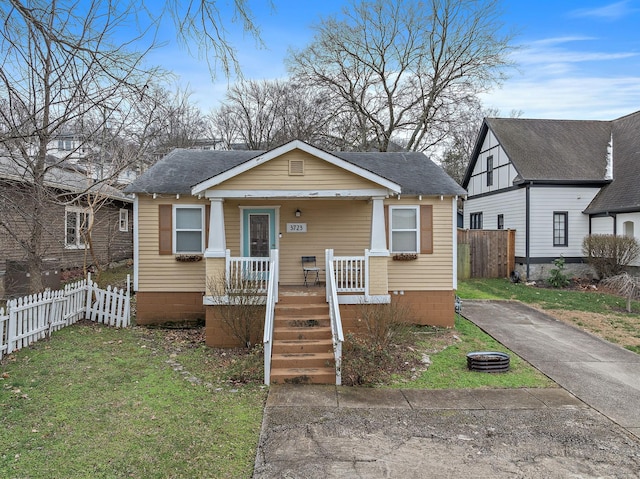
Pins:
x: 554, y: 182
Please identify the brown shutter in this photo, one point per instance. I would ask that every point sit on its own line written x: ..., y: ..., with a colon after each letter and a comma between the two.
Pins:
x: 426, y: 229
x: 165, y: 233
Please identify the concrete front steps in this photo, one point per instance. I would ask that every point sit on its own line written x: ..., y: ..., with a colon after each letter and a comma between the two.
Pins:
x: 302, y: 345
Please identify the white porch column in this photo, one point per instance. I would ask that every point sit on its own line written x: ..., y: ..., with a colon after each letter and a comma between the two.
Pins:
x: 378, y: 232
x: 217, y: 243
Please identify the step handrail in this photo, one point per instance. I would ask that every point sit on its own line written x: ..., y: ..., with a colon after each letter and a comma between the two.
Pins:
x: 337, y: 333
x: 272, y: 299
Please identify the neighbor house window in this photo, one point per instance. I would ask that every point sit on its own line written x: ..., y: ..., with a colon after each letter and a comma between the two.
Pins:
x: 76, y: 222
x: 189, y: 229
x: 489, y: 170
x: 124, y: 219
x: 475, y: 221
x: 405, y: 228
x: 500, y: 222
x: 627, y: 227
x: 560, y: 228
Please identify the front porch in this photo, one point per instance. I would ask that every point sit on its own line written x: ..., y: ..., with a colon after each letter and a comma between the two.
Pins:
x: 303, y: 331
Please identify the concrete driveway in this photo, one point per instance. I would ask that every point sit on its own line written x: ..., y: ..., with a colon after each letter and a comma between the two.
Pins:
x: 602, y: 374
x: 341, y: 432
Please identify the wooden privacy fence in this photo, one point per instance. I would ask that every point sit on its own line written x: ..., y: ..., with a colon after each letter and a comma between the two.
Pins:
x: 486, y: 253
x: 31, y: 318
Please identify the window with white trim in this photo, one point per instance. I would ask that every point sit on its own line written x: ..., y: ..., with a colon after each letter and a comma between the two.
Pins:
x: 188, y: 231
x: 124, y: 219
x: 76, y: 222
x: 560, y: 228
x: 404, y: 230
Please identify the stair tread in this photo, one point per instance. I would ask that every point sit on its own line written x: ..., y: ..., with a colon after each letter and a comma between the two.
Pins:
x: 303, y: 341
x: 302, y: 355
x: 316, y: 370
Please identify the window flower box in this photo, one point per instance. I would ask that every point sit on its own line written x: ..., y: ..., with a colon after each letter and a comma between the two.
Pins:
x: 405, y: 256
x: 189, y: 258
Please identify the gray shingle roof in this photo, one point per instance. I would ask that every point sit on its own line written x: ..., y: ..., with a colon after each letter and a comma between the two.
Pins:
x: 568, y: 150
x: 64, y: 177
x: 623, y: 193
x: 181, y: 169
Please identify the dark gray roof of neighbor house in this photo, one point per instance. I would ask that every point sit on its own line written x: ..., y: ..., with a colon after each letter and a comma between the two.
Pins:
x: 554, y: 150
x: 623, y: 193
x: 182, y: 169
x: 62, y: 176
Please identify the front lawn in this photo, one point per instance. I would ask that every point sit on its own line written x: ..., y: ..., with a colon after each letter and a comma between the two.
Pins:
x: 102, y: 402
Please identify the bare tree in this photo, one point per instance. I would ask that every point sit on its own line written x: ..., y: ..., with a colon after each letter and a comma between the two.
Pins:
x: 58, y: 69
x: 67, y: 67
x: 402, y: 68
x: 201, y: 23
x: 267, y: 113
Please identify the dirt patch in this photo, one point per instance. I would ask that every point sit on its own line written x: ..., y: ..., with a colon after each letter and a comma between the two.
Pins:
x: 621, y: 329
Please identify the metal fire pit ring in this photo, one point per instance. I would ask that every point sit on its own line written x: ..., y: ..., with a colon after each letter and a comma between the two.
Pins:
x: 488, y: 361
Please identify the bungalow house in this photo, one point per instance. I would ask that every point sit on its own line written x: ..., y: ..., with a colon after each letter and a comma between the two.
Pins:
x: 64, y: 213
x: 381, y: 228
x: 554, y: 182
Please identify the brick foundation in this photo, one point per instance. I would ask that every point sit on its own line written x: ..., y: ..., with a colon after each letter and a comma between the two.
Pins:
x: 157, y: 308
x: 433, y: 308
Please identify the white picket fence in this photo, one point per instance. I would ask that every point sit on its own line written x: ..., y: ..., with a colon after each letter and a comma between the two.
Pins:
x: 31, y: 318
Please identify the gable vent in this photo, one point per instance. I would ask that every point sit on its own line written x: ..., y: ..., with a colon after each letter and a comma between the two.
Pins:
x: 296, y: 167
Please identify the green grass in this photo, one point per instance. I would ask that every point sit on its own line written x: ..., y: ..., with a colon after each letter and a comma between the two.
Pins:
x: 448, y: 369
x: 546, y: 298
x: 106, y: 403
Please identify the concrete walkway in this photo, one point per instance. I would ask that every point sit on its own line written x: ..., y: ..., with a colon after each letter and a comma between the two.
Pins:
x: 588, y: 428
x: 603, y: 375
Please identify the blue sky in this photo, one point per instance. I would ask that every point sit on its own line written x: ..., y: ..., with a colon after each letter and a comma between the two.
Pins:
x: 577, y: 59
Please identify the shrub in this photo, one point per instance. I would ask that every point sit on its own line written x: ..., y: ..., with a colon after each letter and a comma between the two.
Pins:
x: 241, y: 309
x: 609, y: 255
x: 369, y: 355
x: 626, y: 285
x: 557, y: 276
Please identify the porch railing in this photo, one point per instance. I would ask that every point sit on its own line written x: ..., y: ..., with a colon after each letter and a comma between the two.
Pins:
x: 272, y: 299
x: 334, y: 313
x: 247, y: 273
x: 350, y: 273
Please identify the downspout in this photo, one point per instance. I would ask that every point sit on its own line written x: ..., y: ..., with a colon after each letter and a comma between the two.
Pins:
x: 527, y: 225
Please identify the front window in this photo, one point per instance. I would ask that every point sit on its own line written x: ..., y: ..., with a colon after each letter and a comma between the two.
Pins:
x: 490, y: 171
x: 76, y: 222
x: 404, y: 230
x: 560, y: 228
x: 475, y: 221
x: 189, y: 229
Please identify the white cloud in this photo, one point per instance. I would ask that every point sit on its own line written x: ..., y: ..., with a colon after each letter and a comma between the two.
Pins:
x: 613, y: 11
x: 578, y: 98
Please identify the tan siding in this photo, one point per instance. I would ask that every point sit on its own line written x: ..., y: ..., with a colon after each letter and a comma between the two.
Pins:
x: 339, y: 224
x: 378, y: 275
x: 162, y: 272
x: 430, y: 271
x: 318, y: 175
x: 343, y: 225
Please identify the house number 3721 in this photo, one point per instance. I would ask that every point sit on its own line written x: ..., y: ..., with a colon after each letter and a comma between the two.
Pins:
x: 296, y: 227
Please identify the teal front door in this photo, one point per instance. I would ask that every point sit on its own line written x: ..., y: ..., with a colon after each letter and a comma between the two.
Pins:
x: 259, y: 232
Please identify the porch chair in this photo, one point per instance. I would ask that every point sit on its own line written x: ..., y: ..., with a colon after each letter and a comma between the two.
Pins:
x: 309, y: 267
